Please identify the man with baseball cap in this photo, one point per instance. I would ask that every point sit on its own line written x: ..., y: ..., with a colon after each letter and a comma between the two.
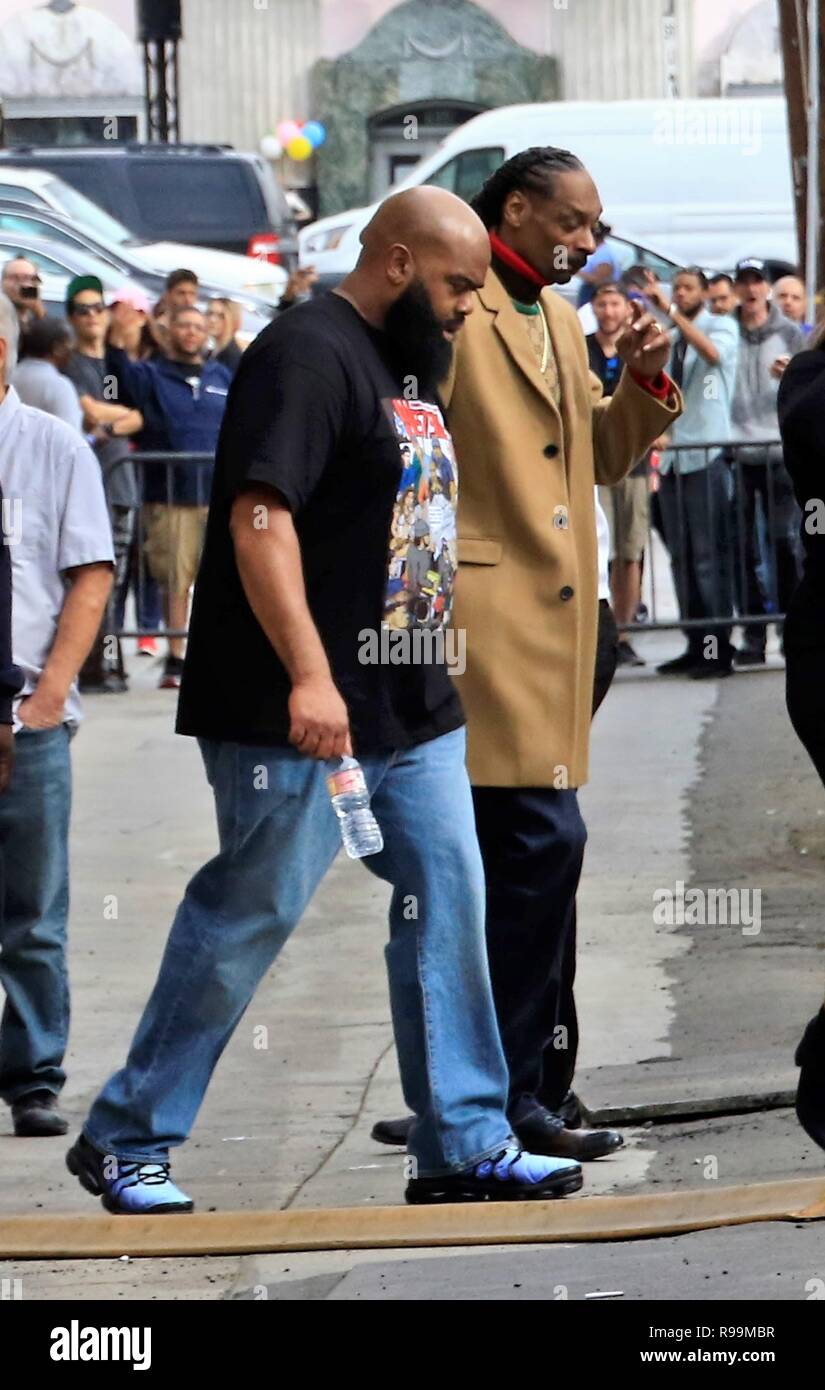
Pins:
x: 767, y: 341
x: 109, y: 425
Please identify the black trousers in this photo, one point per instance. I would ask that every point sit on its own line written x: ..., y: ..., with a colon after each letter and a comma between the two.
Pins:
x: 607, y: 653
x: 766, y: 486
x: 696, y: 513
x: 805, y: 673
x: 532, y: 842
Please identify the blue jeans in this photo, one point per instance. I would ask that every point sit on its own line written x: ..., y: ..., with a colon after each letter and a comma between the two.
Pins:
x: 278, y: 837
x: 34, y: 908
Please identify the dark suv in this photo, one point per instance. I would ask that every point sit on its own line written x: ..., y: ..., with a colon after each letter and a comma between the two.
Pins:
x: 205, y: 195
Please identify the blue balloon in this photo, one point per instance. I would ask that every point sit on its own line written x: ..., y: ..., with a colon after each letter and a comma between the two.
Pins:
x: 315, y: 133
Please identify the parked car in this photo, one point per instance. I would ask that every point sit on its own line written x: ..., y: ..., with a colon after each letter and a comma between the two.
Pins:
x: 19, y: 218
x: 247, y: 275
x: 58, y: 263
x: 693, y: 182
x: 203, y: 195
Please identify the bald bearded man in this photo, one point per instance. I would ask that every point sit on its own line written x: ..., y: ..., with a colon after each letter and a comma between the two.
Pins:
x: 332, y: 528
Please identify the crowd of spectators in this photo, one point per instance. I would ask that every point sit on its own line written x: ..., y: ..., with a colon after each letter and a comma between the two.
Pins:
x: 727, y: 515
x: 131, y: 375
x: 134, y: 376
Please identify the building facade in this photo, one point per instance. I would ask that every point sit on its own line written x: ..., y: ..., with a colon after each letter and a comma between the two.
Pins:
x: 388, y: 78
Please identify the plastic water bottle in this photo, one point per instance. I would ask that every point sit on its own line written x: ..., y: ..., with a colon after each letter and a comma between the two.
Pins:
x: 350, y: 799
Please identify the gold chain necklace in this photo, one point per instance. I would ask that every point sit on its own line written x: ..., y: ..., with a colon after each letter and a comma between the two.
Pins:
x: 546, y: 349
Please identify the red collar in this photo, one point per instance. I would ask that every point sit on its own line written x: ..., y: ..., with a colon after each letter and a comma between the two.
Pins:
x: 516, y: 262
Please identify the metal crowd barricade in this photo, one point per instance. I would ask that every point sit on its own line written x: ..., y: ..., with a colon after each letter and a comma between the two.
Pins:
x: 741, y: 500
x: 157, y: 473
x: 754, y: 536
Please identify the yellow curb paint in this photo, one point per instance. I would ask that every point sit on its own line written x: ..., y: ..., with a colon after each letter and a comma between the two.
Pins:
x: 344, y: 1228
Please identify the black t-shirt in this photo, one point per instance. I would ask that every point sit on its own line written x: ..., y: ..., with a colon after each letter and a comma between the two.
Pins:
x: 91, y: 378
x: 317, y: 411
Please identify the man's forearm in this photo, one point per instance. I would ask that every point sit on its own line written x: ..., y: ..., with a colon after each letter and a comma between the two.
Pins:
x: 698, y: 340
x: 77, y: 626
x: 107, y: 413
x: 269, y: 564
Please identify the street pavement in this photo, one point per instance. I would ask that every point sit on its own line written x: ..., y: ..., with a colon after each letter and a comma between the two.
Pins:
x: 699, y: 783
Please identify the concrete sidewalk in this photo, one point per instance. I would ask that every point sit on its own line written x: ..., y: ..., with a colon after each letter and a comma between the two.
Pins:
x: 312, y: 1065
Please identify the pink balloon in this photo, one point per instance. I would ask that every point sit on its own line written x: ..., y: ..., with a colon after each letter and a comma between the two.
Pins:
x: 287, y: 130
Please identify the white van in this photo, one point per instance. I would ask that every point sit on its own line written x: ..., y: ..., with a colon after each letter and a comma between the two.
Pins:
x: 703, y: 182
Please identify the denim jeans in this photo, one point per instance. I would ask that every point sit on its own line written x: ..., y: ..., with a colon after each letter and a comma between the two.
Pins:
x: 278, y: 836
x: 34, y: 907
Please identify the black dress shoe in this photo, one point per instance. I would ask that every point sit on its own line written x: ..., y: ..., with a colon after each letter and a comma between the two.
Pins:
x: 571, y: 1111
x: 679, y: 665
x: 37, y: 1114
x: 810, y: 1094
x: 711, y: 670
x: 749, y: 656
x: 544, y: 1133
x: 393, y: 1131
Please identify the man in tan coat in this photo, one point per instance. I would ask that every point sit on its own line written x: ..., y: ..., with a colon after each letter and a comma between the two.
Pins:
x: 532, y: 436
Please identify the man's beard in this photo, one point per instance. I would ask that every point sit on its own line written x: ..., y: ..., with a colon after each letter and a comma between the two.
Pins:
x: 416, y: 338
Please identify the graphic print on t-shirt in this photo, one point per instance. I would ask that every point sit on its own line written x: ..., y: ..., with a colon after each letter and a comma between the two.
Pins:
x: 423, y: 540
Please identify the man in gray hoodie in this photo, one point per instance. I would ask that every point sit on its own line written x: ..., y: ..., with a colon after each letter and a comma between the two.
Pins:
x: 767, y: 341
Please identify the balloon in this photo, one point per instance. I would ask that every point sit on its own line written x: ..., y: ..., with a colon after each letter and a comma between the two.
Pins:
x: 315, y: 133
x: 287, y: 130
x: 271, y: 147
x: 299, y: 147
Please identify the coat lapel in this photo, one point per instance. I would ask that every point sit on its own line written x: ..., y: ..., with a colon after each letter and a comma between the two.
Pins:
x: 506, y: 322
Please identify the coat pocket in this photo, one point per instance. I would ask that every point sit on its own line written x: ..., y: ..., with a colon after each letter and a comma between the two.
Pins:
x: 473, y: 551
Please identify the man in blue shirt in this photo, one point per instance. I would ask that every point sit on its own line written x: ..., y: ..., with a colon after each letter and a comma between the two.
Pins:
x: 695, y: 493
x: 182, y: 400
x: 602, y: 268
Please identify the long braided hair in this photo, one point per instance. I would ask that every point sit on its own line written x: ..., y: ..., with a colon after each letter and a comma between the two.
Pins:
x: 531, y: 171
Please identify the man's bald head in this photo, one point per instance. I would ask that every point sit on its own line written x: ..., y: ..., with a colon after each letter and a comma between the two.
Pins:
x: 18, y: 273
x: 423, y: 255
x: 789, y: 294
x: 422, y: 239
x: 423, y: 219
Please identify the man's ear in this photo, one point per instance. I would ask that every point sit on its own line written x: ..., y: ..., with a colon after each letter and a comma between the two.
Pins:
x: 514, y: 208
x: 399, y: 265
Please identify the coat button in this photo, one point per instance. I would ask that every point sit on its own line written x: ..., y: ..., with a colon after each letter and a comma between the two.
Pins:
x: 566, y: 592
x: 550, y: 451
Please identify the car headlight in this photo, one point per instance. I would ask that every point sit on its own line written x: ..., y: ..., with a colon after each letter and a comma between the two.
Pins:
x: 327, y: 239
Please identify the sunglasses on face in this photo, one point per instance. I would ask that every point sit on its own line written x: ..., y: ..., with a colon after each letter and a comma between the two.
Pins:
x: 83, y: 309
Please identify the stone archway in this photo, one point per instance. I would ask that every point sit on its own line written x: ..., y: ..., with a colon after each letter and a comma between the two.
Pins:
x: 425, y: 55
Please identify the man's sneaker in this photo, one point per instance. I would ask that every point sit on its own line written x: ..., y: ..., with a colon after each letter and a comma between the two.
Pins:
x: 130, y: 1188
x: 509, y: 1176
x: 37, y: 1114
x: 749, y: 656
x: 172, y: 672
x: 147, y: 646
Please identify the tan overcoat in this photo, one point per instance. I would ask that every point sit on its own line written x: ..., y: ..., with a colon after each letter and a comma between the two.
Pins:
x: 527, y: 588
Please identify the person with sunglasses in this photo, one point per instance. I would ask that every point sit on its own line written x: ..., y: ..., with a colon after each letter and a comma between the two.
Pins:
x: 109, y: 425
